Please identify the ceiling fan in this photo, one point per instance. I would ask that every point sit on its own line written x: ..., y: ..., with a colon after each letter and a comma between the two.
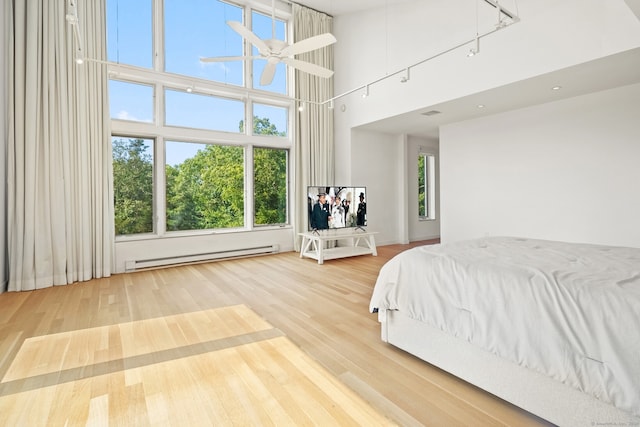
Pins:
x: 275, y: 51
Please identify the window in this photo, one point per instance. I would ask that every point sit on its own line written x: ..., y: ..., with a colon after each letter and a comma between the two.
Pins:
x: 269, y: 120
x: 196, y: 146
x: 263, y: 28
x: 206, y: 189
x: 129, y: 33
x: 270, y: 186
x: 130, y: 101
x: 203, y: 111
x: 426, y: 186
x: 133, y: 185
x: 207, y: 36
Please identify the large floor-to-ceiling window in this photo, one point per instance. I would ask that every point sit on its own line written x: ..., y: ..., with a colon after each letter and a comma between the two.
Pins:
x: 197, y: 147
x: 201, y: 150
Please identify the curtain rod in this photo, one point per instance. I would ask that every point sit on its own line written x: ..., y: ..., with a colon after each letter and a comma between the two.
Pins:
x: 302, y: 5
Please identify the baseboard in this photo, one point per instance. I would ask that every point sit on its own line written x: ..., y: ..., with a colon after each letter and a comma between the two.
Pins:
x: 420, y: 238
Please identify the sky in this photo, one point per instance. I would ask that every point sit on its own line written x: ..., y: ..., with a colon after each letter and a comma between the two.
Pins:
x: 192, y: 32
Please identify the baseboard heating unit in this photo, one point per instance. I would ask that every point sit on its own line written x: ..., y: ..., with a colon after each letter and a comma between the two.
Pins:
x: 133, y: 265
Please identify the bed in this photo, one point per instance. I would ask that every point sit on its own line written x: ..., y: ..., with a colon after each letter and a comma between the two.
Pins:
x: 551, y: 327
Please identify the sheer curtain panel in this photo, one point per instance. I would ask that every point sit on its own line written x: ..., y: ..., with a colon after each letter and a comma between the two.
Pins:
x: 60, y: 204
x: 314, y: 137
x: 5, y: 23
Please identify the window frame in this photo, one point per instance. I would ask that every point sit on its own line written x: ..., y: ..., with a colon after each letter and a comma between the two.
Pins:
x: 252, y: 212
x: 429, y: 174
x: 160, y: 132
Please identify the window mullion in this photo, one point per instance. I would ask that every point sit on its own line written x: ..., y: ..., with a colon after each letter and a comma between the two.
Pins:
x: 158, y: 39
x: 248, y: 50
x: 249, y: 186
x: 160, y: 187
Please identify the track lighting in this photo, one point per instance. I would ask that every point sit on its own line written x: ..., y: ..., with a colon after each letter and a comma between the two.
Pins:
x: 366, y: 91
x: 406, y: 77
x: 501, y: 23
x: 476, y: 48
x: 301, y: 107
x: 331, y: 104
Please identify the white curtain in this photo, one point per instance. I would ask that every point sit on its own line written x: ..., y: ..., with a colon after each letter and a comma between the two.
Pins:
x: 60, y: 204
x: 314, y: 163
x: 4, y: 25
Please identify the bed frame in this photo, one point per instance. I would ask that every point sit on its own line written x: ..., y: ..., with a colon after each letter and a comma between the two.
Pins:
x: 541, y: 395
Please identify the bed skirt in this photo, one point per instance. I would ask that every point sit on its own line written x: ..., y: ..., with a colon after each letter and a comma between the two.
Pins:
x: 543, y: 396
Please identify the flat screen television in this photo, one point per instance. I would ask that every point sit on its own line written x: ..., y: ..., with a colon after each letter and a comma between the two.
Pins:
x: 336, y: 207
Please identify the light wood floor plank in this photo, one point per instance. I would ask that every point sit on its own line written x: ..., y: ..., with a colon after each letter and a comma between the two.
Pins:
x: 115, y: 329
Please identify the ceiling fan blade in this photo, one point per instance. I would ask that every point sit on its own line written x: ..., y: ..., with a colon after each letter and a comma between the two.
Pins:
x: 306, y: 45
x: 308, y: 67
x: 250, y: 36
x: 267, y: 74
x: 227, y: 58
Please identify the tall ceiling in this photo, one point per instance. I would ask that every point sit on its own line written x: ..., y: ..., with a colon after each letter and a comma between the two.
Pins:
x: 343, y: 7
x: 605, y: 73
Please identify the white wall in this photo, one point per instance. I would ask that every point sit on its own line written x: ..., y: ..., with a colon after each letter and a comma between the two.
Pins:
x: 566, y: 170
x: 387, y: 165
x: 551, y: 36
x: 154, y: 248
x: 377, y: 163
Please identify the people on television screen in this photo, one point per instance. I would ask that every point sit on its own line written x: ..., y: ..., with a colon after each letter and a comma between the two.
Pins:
x: 361, y: 212
x: 337, y: 213
x: 320, y: 216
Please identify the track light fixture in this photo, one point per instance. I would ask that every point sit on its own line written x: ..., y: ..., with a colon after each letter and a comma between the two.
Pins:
x: 331, y: 104
x: 406, y: 77
x: 476, y: 48
x: 301, y: 107
x: 366, y: 91
x: 72, y: 19
x: 501, y: 23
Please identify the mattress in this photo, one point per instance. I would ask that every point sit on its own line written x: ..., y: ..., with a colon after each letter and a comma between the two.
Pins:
x: 568, y: 311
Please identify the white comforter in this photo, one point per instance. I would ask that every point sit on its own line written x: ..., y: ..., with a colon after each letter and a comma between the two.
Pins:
x: 570, y: 311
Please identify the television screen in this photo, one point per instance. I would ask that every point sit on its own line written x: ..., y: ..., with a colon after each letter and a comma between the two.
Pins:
x: 336, y: 207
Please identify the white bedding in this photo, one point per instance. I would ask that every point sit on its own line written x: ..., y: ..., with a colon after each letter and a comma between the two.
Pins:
x: 569, y: 311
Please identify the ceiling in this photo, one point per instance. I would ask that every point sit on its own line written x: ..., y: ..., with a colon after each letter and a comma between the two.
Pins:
x: 601, y: 74
x: 605, y: 73
x: 343, y: 7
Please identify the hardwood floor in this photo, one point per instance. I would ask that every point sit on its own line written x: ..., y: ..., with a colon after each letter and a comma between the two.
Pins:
x: 321, y: 309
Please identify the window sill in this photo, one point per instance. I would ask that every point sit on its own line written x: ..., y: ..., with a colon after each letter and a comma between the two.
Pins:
x: 199, y: 233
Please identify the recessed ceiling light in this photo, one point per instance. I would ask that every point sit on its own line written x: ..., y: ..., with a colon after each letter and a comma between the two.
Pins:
x: 480, y: 105
x: 556, y: 88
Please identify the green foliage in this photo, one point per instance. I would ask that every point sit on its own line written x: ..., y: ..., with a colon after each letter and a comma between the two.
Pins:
x: 205, y: 191
x: 133, y: 186
x: 270, y: 186
x: 422, y: 194
x: 262, y: 126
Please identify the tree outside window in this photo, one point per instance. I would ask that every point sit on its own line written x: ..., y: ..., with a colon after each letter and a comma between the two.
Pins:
x: 186, y: 118
x: 133, y: 185
x: 426, y: 186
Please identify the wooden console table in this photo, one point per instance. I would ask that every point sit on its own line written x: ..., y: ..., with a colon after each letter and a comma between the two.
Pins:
x: 313, y: 244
